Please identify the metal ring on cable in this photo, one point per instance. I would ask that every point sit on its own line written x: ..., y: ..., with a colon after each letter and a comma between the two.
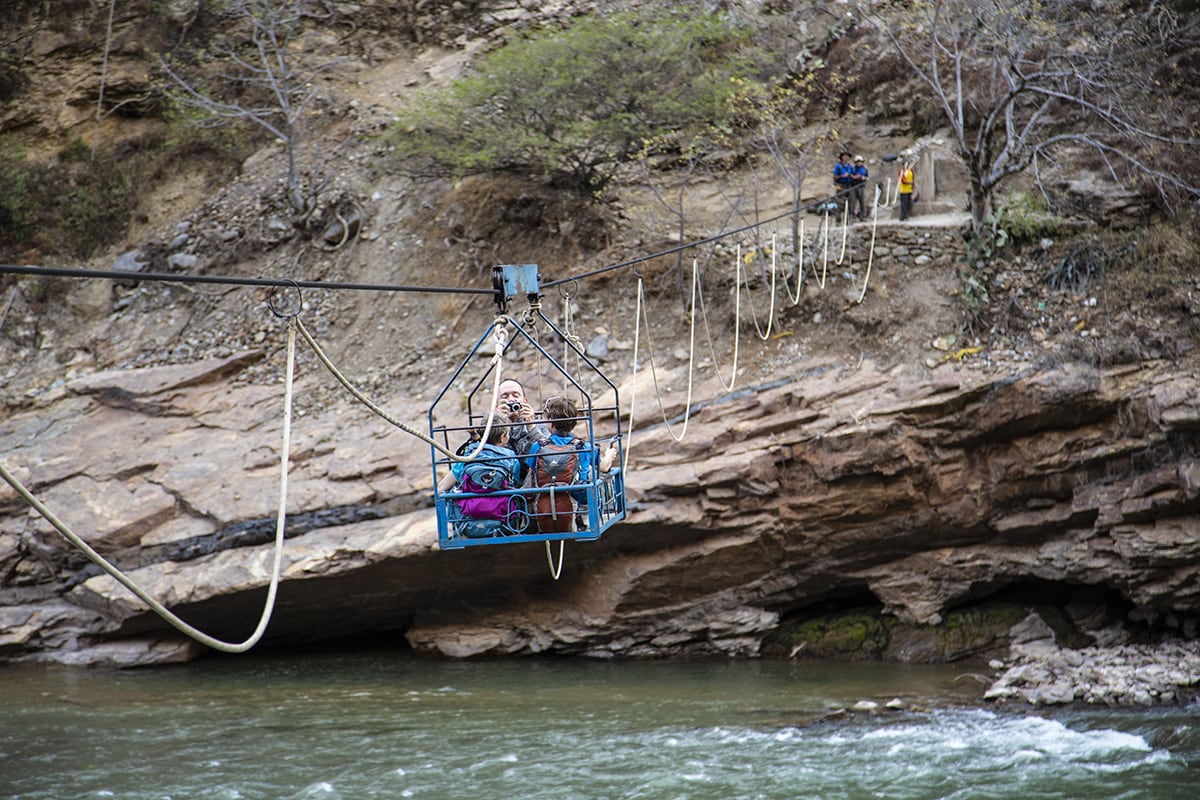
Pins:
x: 286, y: 313
x: 574, y: 284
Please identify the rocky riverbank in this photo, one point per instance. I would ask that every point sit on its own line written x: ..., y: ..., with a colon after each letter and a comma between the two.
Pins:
x: 1040, y: 672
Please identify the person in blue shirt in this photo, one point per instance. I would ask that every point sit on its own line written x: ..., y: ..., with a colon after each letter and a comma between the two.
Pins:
x: 843, y: 178
x: 859, y: 175
x: 495, y: 466
x: 561, y: 414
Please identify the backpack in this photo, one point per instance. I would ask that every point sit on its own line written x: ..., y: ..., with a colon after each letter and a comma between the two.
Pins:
x: 479, y: 528
x: 488, y: 473
x: 486, y: 476
x: 556, y: 465
x: 495, y: 507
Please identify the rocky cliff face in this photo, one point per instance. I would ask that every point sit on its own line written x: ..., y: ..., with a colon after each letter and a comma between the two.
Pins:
x: 911, y: 493
x: 862, y: 496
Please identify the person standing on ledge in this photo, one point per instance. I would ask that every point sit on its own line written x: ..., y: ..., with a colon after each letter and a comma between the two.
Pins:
x: 906, y: 188
x: 859, y: 174
x: 843, y: 179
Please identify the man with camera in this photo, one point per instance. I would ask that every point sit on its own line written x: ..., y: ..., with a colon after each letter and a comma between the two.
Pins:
x: 512, y: 405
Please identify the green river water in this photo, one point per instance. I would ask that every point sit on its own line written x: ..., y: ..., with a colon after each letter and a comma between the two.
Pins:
x: 385, y: 725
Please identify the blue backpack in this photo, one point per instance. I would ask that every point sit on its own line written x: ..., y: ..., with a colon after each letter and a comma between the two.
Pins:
x: 487, y: 516
x: 485, y: 474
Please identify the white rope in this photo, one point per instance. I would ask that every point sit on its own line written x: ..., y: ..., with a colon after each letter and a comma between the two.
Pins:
x: 824, y: 254
x: 845, y: 232
x: 887, y: 188
x: 637, y: 328
x: 569, y: 338
x: 535, y: 310
x: 687, y: 408
x: 871, y: 250
x: 774, y: 278
x: 158, y: 608
x: 639, y: 317
x: 500, y: 337
x: 799, y: 248
x: 737, y: 327
x: 750, y: 298
x: 555, y: 571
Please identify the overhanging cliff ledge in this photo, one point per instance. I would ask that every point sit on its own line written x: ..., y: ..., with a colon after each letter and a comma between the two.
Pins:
x: 915, y: 493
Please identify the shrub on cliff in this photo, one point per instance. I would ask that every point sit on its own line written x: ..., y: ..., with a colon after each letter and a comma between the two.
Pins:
x: 97, y: 210
x: 574, y: 105
x: 16, y: 208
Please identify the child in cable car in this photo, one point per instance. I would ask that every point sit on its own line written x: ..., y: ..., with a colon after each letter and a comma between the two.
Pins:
x: 563, y: 460
x: 495, y: 467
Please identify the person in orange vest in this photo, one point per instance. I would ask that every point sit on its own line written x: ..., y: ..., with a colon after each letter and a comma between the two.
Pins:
x: 906, y: 188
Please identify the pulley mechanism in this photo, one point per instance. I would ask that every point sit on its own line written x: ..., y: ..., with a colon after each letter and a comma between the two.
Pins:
x: 512, y: 280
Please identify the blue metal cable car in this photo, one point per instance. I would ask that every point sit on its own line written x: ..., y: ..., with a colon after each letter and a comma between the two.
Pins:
x: 495, y: 506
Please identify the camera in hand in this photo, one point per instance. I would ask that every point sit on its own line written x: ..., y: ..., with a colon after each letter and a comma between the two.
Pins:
x: 514, y: 407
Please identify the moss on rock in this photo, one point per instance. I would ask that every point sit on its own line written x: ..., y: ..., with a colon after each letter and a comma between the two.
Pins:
x: 866, y: 633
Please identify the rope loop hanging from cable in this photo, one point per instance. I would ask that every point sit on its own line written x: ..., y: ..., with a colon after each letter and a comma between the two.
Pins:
x: 282, y: 311
x: 763, y: 335
x: 280, y: 523
x: 871, y: 249
x: 737, y: 324
x: 643, y: 317
x: 555, y: 571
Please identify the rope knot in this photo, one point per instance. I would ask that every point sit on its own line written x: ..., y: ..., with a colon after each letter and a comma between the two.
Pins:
x: 500, y: 333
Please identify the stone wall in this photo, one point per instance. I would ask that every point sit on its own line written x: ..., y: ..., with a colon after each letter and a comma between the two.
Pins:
x: 915, y: 245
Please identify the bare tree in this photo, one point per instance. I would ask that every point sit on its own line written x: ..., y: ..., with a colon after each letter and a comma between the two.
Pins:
x: 678, y: 181
x: 264, y: 82
x: 1020, y: 80
x: 792, y: 150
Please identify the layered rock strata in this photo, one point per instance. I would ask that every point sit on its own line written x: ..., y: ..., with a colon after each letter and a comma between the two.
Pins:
x: 919, y: 491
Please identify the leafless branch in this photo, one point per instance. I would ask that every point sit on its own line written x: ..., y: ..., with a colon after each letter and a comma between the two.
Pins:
x: 1010, y: 95
x: 277, y: 84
